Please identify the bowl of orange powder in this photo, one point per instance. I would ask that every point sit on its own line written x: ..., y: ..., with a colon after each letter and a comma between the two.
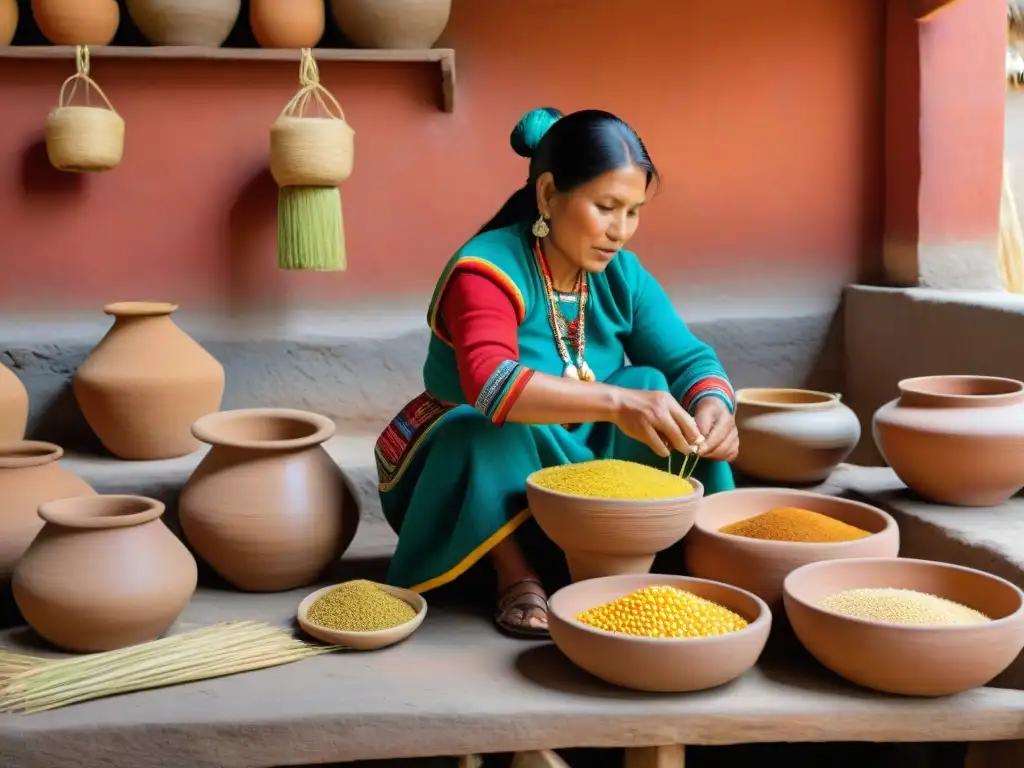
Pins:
x: 753, y: 538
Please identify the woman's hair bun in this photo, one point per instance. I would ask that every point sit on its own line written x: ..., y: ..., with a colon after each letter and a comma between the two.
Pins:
x: 531, y: 129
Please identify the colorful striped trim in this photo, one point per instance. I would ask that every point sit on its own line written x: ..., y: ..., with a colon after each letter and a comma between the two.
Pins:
x: 710, y: 386
x: 402, y: 436
x: 480, y: 267
x: 502, y: 390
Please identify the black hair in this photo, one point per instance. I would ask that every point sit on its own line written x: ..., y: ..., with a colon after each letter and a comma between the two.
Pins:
x: 574, y: 148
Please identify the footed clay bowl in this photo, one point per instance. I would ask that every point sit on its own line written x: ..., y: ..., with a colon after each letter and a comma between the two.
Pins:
x: 608, y: 537
x: 761, y: 566
x: 658, y: 664
x: 908, y: 660
x: 363, y: 641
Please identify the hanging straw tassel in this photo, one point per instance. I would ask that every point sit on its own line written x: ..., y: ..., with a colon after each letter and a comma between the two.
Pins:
x: 1011, y: 239
x: 83, y: 139
x: 309, y: 157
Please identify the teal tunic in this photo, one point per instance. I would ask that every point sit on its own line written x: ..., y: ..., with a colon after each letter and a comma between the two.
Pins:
x: 453, y: 476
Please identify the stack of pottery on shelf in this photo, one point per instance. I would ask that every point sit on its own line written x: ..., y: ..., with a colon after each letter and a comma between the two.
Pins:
x: 408, y: 24
x: 203, y: 23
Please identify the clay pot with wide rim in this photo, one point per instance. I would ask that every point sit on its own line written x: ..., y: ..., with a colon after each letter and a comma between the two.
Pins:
x: 13, y: 406
x: 29, y: 475
x: 8, y: 20
x: 267, y: 507
x: 77, y: 22
x: 103, y: 573
x: 202, y: 23
x: 406, y: 24
x: 955, y: 440
x: 609, y: 537
x: 146, y: 382
x: 761, y: 566
x: 907, y: 659
x: 295, y: 24
x: 793, y: 435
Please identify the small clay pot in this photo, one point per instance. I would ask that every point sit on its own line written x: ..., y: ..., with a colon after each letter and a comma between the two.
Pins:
x: 407, y: 24
x: 294, y: 24
x: 761, y: 566
x: 908, y: 660
x: 77, y: 22
x: 651, y: 663
x: 793, y: 435
x: 29, y: 475
x: 267, y: 508
x: 204, y: 23
x: 103, y: 573
x: 956, y: 439
x: 8, y: 22
x: 13, y: 406
x: 609, y: 537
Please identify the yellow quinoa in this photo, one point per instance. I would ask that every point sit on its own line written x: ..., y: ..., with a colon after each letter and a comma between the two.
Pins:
x: 359, y: 606
x: 612, y: 479
x: 661, y: 611
x: 794, y: 524
x: 902, y: 606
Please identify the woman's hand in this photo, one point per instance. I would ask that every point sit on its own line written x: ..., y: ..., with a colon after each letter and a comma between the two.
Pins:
x: 657, y: 419
x: 716, y: 423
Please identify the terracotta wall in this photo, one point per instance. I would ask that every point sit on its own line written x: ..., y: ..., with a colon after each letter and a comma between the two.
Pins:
x: 765, y: 120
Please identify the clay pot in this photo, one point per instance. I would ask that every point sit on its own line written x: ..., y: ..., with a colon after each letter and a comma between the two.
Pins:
x: 658, y: 664
x: 295, y: 24
x: 8, y: 20
x: 761, y: 566
x: 267, y: 508
x: 955, y: 439
x: 908, y: 660
x: 205, y: 23
x: 77, y: 22
x: 29, y: 476
x: 104, y: 573
x: 146, y: 382
x: 13, y: 406
x: 793, y: 435
x: 608, y: 537
x: 391, y: 23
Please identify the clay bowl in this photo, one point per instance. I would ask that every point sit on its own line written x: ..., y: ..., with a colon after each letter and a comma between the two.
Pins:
x: 761, y: 566
x: 658, y: 664
x: 908, y: 660
x: 363, y: 641
x: 608, y: 537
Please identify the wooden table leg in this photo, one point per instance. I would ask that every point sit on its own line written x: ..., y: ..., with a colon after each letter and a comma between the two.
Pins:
x: 995, y: 754
x: 655, y: 757
x: 471, y: 761
x: 545, y: 758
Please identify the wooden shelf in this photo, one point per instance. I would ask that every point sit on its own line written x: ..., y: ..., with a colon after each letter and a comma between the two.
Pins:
x: 445, y: 57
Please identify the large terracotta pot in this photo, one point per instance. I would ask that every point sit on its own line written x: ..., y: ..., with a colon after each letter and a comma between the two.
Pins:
x: 8, y: 20
x: 146, y: 382
x: 267, y: 508
x: 956, y: 439
x: 77, y: 22
x: 391, y: 23
x: 104, y: 573
x: 29, y: 475
x: 294, y: 24
x: 185, y: 22
x: 13, y: 406
x: 793, y: 435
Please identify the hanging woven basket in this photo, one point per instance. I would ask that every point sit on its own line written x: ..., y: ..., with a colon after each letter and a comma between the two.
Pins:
x: 84, y: 138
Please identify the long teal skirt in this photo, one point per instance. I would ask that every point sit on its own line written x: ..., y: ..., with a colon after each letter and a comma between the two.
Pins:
x: 458, y: 487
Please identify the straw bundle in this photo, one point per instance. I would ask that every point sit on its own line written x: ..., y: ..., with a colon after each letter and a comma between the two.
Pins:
x: 83, y: 138
x: 1011, y: 239
x: 309, y: 156
x: 31, y: 684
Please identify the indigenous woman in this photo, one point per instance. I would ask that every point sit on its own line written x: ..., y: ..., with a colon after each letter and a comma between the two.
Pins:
x: 532, y: 322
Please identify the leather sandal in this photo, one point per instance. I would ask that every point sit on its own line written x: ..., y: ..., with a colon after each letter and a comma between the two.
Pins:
x: 519, y: 597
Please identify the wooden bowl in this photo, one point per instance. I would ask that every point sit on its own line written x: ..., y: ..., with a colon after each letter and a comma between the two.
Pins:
x: 761, y: 566
x: 908, y: 660
x: 363, y: 641
x: 658, y: 664
x: 608, y: 537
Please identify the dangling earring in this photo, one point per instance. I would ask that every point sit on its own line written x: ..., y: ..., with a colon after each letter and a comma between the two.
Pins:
x: 541, y: 228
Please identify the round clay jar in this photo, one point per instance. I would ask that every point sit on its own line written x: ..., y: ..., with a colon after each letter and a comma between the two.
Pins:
x: 13, y: 406
x: 77, y: 22
x: 103, y: 573
x: 294, y: 24
x: 405, y: 24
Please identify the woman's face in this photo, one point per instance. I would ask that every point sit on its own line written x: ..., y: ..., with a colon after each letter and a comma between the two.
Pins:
x: 590, y: 224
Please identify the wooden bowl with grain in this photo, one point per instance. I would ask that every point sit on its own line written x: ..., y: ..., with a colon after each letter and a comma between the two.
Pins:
x: 363, y: 641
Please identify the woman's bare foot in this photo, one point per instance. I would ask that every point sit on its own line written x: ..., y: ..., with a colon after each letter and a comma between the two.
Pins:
x: 522, y: 602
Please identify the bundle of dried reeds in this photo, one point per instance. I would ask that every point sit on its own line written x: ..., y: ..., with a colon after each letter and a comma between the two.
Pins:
x: 32, y: 684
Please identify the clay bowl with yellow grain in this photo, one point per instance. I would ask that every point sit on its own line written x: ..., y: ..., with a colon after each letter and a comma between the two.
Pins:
x: 761, y: 565
x: 617, y: 532
x: 659, y: 664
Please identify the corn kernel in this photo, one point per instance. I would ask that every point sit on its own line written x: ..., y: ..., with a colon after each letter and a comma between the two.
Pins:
x: 662, y: 611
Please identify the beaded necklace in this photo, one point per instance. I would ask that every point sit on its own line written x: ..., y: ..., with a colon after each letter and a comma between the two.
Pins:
x: 559, y: 326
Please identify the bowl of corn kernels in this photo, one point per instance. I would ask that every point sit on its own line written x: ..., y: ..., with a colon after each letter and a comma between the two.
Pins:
x: 654, y: 632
